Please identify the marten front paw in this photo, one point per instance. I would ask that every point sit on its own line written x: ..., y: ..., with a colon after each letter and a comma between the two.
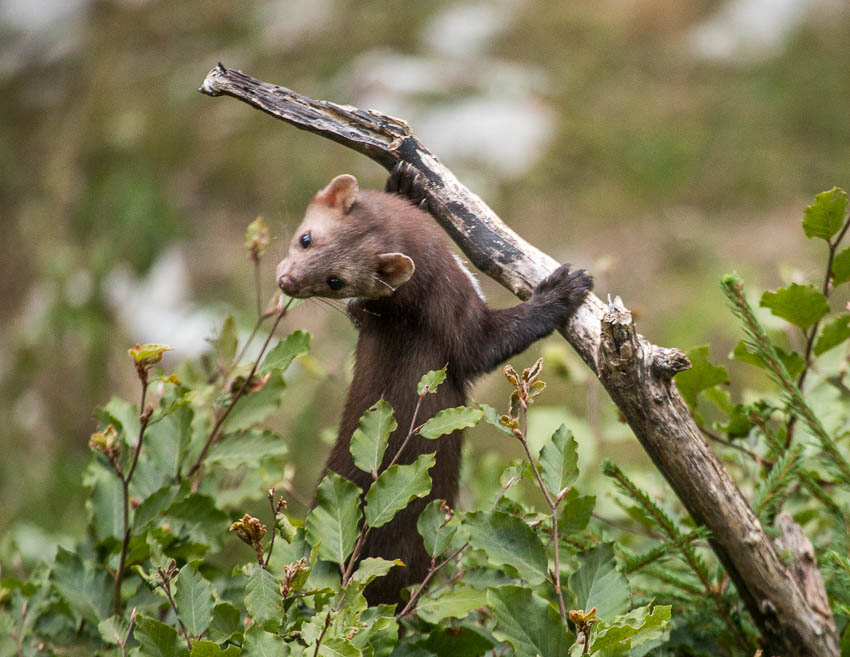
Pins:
x: 406, y: 180
x: 565, y: 287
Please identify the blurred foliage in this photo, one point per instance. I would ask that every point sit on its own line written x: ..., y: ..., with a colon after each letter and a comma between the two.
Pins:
x: 662, y: 170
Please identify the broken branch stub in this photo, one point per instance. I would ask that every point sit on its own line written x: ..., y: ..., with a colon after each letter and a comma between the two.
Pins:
x: 636, y: 373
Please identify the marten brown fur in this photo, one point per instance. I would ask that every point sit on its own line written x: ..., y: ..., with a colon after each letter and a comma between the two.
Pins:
x: 417, y: 310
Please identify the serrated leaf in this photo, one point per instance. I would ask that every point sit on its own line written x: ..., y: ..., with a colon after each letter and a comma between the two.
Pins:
x: 508, y: 540
x: 248, y: 448
x: 636, y: 627
x: 841, y: 267
x: 701, y: 376
x: 259, y: 643
x: 575, y: 512
x: 825, y: 217
x: 559, y: 461
x: 431, y: 380
x: 226, y: 342
x: 396, y: 487
x: 104, y: 504
x: 380, y: 636
x: 530, y: 624
x: 492, y: 416
x: 598, y: 583
x: 456, y: 602
x: 333, y: 522
x: 373, y: 567
x: 792, y: 360
x: 263, y: 598
x: 802, y: 305
x: 436, y: 533
x: 212, y: 649
x: 338, y: 647
x: 450, y: 419
x: 85, y: 586
x: 113, y: 629
x: 194, y: 599
x: 369, y: 441
x: 255, y: 407
x: 833, y: 334
x: 225, y: 623
x: 157, y: 639
x: 198, y: 516
x: 284, y: 352
x: 148, y: 354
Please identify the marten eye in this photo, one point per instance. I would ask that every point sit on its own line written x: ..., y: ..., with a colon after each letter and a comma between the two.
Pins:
x: 335, y: 283
x: 305, y: 239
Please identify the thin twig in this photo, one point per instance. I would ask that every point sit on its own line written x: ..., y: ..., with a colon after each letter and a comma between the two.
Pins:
x: 810, y: 335
x: 123, y: 644
x: 275, y: 511
x: 166, y: 586
x: 257, y: 286
x: 20, y: 637
x: 413, y: 430
x: 553, y: 505
x: 433, y: 570
x: 144, y: 418
x: 220, y: 421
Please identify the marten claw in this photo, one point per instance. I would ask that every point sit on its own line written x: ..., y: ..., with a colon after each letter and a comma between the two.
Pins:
x: 406, y: 180
x: 567, y: 287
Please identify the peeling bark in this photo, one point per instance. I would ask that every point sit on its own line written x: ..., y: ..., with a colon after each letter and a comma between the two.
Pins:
x: 636, y: 373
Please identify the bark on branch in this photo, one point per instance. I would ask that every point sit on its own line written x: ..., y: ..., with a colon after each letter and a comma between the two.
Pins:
x: 636, y: 373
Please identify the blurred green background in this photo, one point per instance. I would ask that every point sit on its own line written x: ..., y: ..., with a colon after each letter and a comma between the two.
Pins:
x: 658, y: 144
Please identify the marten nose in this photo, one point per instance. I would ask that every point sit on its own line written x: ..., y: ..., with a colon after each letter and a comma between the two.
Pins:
x: 287, y: 284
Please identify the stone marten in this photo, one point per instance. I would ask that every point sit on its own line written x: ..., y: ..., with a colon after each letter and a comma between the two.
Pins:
x: 417, y: 309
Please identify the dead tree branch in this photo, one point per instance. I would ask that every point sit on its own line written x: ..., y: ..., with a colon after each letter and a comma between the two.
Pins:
x: 636, y: 373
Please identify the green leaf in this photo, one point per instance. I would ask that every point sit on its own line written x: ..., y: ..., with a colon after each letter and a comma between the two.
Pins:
x: 436, y: 531
x: 225, y: 623
x: 338, y: 647
x: 113, y: 629
x: 212, y: 649
x: 157, y: 639
x: 431, y: 381
x: 259, y: 643
x: 226, y: 342
x: 284, y: 352
x: 635, y: 628
x: 256, y: 407
x: 575, y: 512
x: 453, y: 641
x: 197, y: 516
x: 491, y: 416
x: 507, y: 540
x: 380, y: 636
x: 248, y: 448
x: 802, y: 305
x: 825, y: 216
x: 396, y: 487
x: 104, y: 504
x: 598, y: 583
x: 841, y: 267
x: 194, y: 600
x: 373, y: 567
x: 85, y: 586
x: 456, y: 602
x: 793, y: 361
x: 451, y: 419
x: 559, y: 461
x: 701, y: 376
x: 530, y: 624
x: 333, y: 522
x: 151, y: 510
x: 148, y: 354
x: 263, y: 598
x: 369, y: 441
x: 833, y: 334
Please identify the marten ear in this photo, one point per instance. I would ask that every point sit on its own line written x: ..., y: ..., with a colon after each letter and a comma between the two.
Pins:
x: 341, y: 192
x: 395, y: 269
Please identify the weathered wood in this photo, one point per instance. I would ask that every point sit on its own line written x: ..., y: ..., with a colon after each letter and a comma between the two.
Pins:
x: 636, y: 373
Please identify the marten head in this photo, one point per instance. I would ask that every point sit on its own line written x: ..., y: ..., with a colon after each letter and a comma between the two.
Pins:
x: 340, y: 248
